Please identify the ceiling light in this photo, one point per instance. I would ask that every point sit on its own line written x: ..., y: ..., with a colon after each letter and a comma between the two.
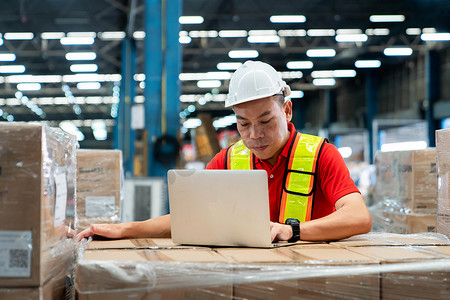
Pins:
x: 84, y: 68
x: 341, y: 38
x: 367, y: 63
x: 205, y: 76
x: 300, y: 64
x: 377, y: 31
x: 413, y: 31
x: 77, y: 41
x: 321, y: 52
x: 322, y: 74
x: 112, y: 35
x: 88, y: 85
x: 232, y: 33
x: 1, y: 42
x: 292, y: 32
x: 324, y: 82
x: 243, y: 54
x: 81, y: 56
x: 429, y: 30
x: 348, y: 31
x: 262, y: 32
x: 209, y: 83
x: 344, y: 73
x: 82, y: 34
x: 184, y: 39
x: 288, y: 19
x: 263, y: 39
x: 321, y: 32
x: 7, y: 57
x: 12, y: 69
x: 192, y: 123
x: 296, y: 94
x: 29, y: 86
x: 228, y: 65
x: 398, y: 51
x: 191, y: 20
x: 18, y: 36
x: 139, y: 77
x: 52, y: 35
x: 139, y: 35
x: 387, y: 18
x: 203, y: 33
x: 442, y: 36
x: 291, y: 75
x: 402, y: 146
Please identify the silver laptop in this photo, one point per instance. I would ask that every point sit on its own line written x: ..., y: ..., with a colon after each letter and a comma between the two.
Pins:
x: 220, y: 208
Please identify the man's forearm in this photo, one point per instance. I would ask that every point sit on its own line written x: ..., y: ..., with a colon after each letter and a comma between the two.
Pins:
x: 156, y: 227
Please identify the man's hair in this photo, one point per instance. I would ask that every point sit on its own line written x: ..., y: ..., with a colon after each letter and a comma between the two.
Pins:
x: 279, y: 98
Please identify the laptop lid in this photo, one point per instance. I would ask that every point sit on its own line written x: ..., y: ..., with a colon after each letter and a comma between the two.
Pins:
x: 219, y: 207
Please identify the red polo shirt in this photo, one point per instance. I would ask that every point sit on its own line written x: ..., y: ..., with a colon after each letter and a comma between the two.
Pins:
x: 333, y: 180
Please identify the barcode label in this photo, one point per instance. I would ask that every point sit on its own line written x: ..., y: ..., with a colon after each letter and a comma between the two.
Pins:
x: 15, y: 253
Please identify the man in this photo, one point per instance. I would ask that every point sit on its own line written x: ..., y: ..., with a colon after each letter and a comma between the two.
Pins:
x: 312, y: 196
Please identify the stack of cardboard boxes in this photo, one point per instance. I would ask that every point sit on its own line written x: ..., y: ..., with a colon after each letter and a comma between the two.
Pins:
x: 443, y: 186
x: 37, y: 194
x: 405, y: 191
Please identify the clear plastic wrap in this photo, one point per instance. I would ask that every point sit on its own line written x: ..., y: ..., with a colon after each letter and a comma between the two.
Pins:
x: 99, y: 187
x: 383, y: 266
x: 37, y: 193
x: 443, y: 182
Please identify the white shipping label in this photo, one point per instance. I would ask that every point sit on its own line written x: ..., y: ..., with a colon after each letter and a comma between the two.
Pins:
x: 101, y: 206
x: 61, y: 196
x: 15, y: 253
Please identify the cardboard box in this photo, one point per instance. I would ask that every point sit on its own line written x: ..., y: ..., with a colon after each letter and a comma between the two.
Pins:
x: 37, y: 188
x: 143, y: 243
x: 408, y: 179
x: 99, y: 187
x: 151, y: 274
x: 443, y: 182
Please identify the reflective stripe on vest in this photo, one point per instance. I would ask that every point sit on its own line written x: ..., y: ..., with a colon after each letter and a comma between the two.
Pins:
x: 299, y: 178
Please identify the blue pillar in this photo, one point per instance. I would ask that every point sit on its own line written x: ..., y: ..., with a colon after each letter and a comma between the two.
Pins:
x: 432, y: 76
x: 371, y: 106
x: 162, y: 67
x: 125, y: 135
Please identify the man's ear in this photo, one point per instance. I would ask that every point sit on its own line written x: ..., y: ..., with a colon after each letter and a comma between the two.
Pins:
x: 287, y: 106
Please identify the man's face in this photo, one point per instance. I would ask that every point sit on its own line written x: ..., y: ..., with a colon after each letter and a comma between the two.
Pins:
x: 262, y: 125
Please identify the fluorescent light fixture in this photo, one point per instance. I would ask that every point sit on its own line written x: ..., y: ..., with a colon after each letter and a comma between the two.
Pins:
x: 1, y: 42
x: 18, y: 36
x: 139, y: 35
x: 321, y: 32
x: 398, y: 51
x: 291, y: 75
x: 205, y: 76
x: 52, y: 35
x: 321, y: 52
x: 324, y: 82
x: 192, y: 123
x: 29, y: 86
x: 112, y: 35
x: 7, y: 57
x: 368, y: 63
x: 346, y: 38
x: 263, y: 39
x: 386, y: 18
x: 348, y: 31
x: 292, y: 32
x: 262, y: 32
x: 88, y: 85
x: 228, y: 65
x: 243, y: 54
x: 203, y: 33
x: 92, y: 77
x: 300, y: 64
x: 191, y: 20
x: 77, y: 41
x: 84, y: 68
x: 209, y: 83
x: 139, y: 77
x: 296, y: 94
x: 344, y: 73
x: 12, y: 69
x: 377, y: 31
x: 288, y: 19
x: 225, y: 121
x: 346, y: 152
x: 413, y: 31
x: 184, y: 39
x: 429, y: 30
x: 416, y: 145
x: 99, y: 130
x: 81, y: 56
x: 322, y: 74
x: 82, y: 34
x: 69, y: 127
x: 441, y: 36
x: 232, y: 33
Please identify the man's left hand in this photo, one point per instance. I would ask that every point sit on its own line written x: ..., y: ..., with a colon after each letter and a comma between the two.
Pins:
x: 280, y: 232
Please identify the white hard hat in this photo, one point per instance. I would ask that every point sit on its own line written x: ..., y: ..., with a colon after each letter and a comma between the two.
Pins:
x: 254, y: 80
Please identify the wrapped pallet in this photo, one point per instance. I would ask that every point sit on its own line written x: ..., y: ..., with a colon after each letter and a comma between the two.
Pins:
x: 443, y: 182
x: 37, y: 192
x: 99, y: 186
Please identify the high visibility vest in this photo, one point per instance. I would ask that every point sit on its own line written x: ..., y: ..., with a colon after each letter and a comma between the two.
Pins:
x: 299, y: 182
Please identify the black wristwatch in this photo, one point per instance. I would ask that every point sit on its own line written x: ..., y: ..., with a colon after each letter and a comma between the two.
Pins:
x: 295, y: 224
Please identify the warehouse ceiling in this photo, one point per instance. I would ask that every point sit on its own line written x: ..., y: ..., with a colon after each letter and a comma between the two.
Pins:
x: 203, y: 46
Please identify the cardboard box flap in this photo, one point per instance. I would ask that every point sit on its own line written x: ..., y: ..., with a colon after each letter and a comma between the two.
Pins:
x: 332, y: 255
x: 394, y: 254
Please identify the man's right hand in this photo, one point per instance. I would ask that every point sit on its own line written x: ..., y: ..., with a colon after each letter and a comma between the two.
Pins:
x: 112, y: 231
